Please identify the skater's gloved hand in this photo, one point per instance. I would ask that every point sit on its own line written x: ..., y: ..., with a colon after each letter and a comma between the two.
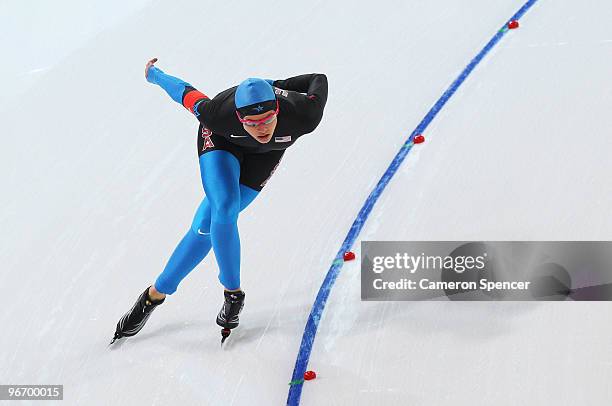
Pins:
x: 148, y: 66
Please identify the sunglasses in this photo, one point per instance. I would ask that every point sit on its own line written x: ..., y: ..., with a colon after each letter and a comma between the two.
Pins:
x: 263, y: 121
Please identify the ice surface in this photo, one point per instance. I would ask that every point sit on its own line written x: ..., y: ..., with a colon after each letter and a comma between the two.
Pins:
x: 100, y: 182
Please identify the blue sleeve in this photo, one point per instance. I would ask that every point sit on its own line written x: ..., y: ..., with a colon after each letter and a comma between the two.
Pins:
x: 175, y: 87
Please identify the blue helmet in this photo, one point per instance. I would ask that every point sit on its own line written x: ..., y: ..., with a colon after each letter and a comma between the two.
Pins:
x: 254, y: 96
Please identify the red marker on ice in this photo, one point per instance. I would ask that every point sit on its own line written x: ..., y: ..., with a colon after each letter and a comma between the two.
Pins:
x: 349, y: 256
x: 514, y: 24
x: 310, y: 375
x: 419, y: 139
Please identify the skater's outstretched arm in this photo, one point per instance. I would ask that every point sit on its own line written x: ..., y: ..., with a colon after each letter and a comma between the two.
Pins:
x: 179, y: 90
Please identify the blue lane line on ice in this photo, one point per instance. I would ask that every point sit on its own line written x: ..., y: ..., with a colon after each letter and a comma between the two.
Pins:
x: 301, y: 363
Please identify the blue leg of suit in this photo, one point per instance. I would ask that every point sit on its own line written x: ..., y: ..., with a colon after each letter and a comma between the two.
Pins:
x: 214, y: 224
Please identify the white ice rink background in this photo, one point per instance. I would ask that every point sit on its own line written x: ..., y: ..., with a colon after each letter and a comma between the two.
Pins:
x: 100, y: 182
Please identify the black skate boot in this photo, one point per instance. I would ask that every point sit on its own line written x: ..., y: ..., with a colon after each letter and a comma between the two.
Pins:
x: 228, y: 317
x: 134, y: 320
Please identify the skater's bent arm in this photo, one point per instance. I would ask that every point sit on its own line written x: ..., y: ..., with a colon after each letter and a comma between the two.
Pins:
x: 315, y: 87
x: 179, y: 90
x: 313, y: 84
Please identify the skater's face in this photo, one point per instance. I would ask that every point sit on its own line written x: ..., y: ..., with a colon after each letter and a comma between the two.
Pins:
x: 261, y: 126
